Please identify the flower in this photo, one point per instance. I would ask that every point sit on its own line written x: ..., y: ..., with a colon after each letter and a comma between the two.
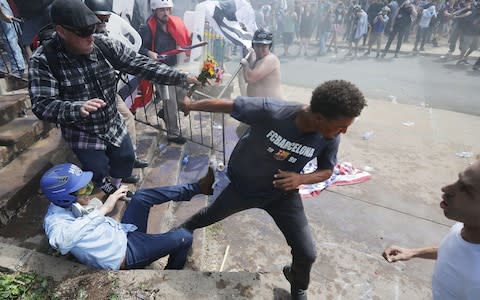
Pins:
x: 210, y: 70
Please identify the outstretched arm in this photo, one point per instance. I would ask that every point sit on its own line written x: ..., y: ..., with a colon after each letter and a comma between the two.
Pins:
x: 210, y: 105
x: 395, y: 253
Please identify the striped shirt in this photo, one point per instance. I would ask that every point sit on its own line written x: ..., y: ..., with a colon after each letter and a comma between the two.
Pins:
x: 84, y: 77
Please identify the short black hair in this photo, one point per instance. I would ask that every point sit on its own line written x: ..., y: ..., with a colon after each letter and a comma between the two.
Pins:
x: 337, y: 98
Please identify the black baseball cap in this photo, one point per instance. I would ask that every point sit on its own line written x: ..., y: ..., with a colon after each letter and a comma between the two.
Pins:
x: 72, y: 13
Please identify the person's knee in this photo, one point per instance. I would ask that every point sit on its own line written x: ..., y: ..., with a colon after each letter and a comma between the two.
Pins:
x: 309, y: 256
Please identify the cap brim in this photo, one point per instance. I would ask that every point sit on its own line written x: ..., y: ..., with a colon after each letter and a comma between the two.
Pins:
x: 83, y: 180
x: 262, y: 42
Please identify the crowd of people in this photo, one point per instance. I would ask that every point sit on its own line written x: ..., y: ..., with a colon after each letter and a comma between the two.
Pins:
x: 73, y: 83
x: 357, y: 22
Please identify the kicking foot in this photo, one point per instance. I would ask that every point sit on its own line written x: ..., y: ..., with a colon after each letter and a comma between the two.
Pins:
x: 206, y: 182
x: 297, y: 293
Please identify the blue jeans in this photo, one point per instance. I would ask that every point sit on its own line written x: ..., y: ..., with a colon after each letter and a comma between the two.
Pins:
x: 143, y: 248
x: 10, y: 40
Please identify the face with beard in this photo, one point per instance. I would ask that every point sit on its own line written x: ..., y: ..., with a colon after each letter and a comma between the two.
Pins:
x: 162, y: 14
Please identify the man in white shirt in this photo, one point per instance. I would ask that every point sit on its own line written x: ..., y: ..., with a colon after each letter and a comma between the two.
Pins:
x: 424, y: 27
x: 457, y: 269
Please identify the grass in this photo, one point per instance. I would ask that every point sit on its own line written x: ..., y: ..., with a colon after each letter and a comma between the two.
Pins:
x: 25, y: 286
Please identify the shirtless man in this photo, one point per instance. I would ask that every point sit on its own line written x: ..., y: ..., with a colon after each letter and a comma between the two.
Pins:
x: 262, y: 70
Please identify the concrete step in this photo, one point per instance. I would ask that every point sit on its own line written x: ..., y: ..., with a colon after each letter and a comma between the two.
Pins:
x: 187, y: 284
x: 163, y: 172
x: 192, y: 171
x: 13, y: 106
x: 20, y: 177
x: 19, y: 134
x: 72, y: 277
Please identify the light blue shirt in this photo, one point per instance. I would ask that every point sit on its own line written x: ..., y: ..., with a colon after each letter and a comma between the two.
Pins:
x: 95, y: 240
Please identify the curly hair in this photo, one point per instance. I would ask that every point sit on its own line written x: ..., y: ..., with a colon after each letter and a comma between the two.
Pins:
x: 337, y: 98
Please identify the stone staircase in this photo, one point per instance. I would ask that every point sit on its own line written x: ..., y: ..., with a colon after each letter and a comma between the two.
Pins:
x: 28, y: 147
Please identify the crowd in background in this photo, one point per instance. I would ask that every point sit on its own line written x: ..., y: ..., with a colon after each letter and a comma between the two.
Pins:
x: 303, y: 22
x: 327, y: 21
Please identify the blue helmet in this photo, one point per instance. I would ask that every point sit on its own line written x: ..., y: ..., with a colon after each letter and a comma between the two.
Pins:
x: 58, y: 183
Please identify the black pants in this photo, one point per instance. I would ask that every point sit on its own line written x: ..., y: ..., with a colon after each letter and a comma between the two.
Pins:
x: 454, y: 36
x: 397, y: 30
x: 114, y: 161
x: 287, y: 212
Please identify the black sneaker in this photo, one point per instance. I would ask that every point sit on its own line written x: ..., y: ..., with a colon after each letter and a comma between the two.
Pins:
x: 108, y: 188
x: 180, y: 140
x: 140, y: 163
x: 131, y: 179
x: 161, y: 114
x: 297, y: 293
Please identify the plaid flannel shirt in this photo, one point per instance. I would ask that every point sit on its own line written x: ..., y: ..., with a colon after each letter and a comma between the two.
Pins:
x: 86, y: 77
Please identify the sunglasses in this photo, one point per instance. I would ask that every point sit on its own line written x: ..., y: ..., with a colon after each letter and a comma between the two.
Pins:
x: 86, y: 190
x: 81, y: 32
x: 104, y: 18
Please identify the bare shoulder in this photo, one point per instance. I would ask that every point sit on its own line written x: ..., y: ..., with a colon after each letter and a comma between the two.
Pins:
x: 272, y: 58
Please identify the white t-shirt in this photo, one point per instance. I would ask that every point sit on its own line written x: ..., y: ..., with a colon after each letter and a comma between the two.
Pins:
x: 427, y: 15
x: 457, y: 270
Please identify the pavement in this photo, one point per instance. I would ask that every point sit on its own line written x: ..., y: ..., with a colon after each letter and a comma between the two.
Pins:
x: 412, y: 151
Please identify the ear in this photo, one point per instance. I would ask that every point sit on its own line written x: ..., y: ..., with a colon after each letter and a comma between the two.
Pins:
x: 60, y: 31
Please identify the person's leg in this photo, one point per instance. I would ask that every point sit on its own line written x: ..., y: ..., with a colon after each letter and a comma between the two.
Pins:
x: 401, y: 36
x: 227, y: 203
x: 379, y: 43
x: 289, y: 215
x: 171, y: 112
x: 424, y: 38
x: 139, y: 207
x: 129, y: 120
x: 143, y: 249
x: 95, y: 161
x: 391, y: 36
x: 13, y: 50
x: 454, y: 35
x: 121, y: 158
x: 417, y: 38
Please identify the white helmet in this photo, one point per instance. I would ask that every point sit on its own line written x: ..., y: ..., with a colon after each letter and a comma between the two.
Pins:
x: 154, y: 4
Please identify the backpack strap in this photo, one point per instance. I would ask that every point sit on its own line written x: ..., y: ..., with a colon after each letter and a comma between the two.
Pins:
x: 52, y: 61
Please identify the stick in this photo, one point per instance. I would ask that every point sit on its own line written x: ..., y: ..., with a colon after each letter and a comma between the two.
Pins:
x: 224, y: 258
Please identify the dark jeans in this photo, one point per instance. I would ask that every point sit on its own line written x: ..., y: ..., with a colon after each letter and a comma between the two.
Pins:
x: 114, y: 161
x: 454, y: 35
x: 143, y: 248
x: 286, y: 210
x: 397, y: 30
x: 422, y: 34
